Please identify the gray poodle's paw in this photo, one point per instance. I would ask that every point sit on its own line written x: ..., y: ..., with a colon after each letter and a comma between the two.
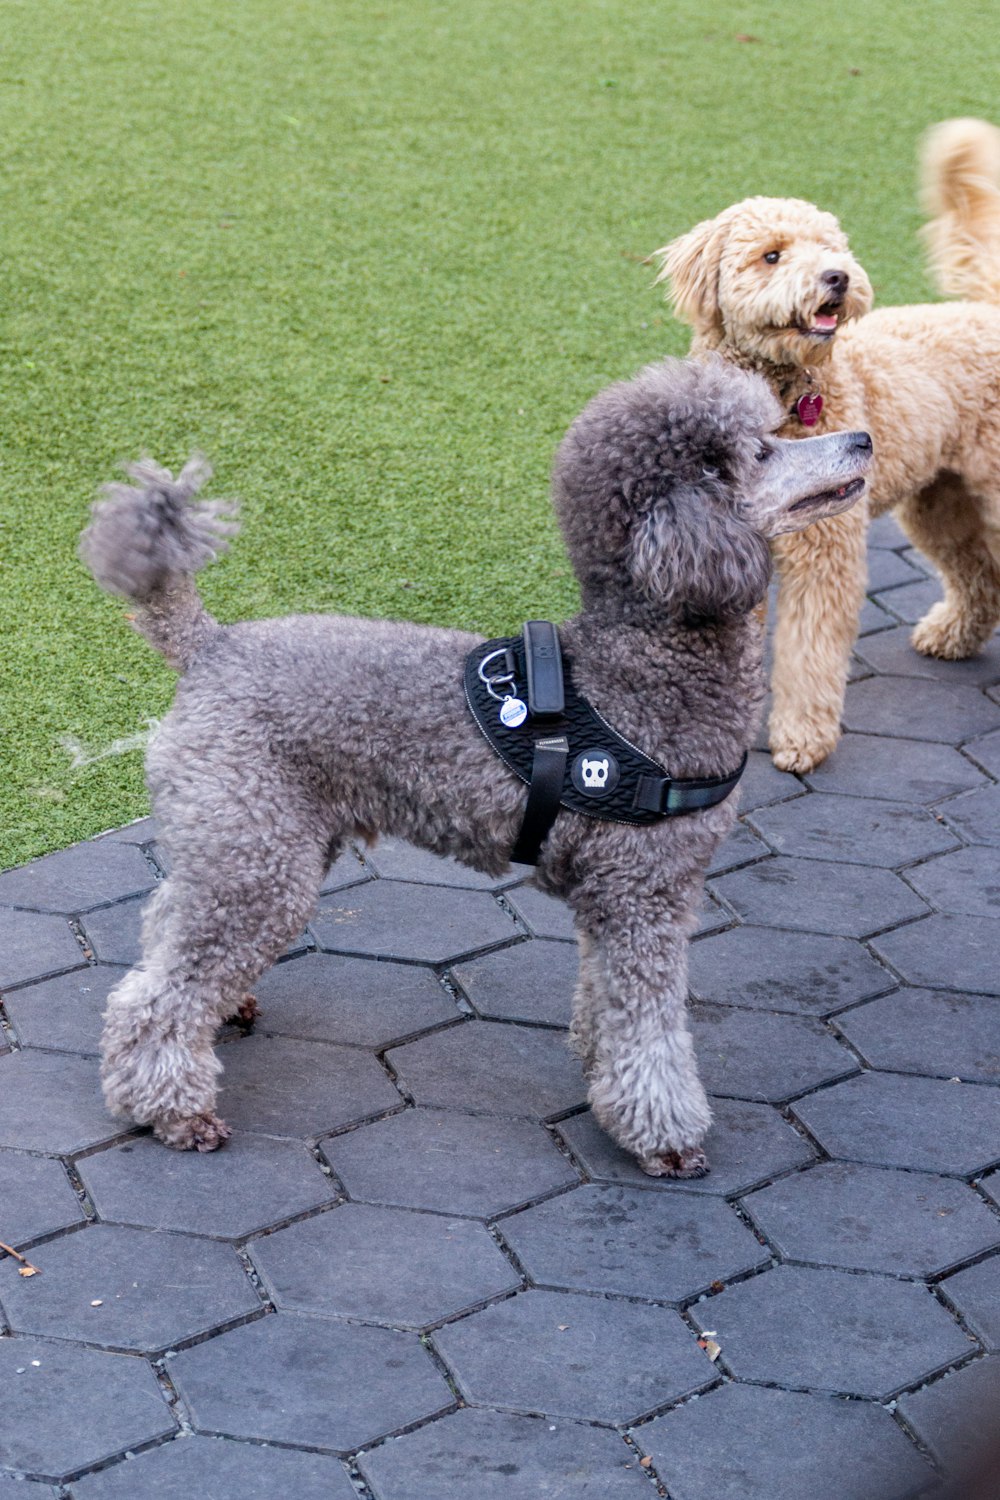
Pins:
x: 691, y: 1162
x: 204, y: 1132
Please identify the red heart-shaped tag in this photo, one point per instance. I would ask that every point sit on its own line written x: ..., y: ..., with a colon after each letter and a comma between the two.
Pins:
x: 809, y: 407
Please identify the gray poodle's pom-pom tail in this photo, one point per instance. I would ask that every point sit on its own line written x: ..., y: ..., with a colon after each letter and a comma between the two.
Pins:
x: 147, y: 540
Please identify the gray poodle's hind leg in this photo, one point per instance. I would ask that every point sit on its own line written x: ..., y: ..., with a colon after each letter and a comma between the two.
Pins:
x: 586, y: 1000
x: 644, y: 1085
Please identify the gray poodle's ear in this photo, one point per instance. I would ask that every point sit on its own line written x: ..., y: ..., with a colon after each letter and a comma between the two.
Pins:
x: 695, y: 554
x: 691, y: 267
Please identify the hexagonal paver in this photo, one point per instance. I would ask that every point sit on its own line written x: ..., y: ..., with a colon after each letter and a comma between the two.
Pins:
x: 873, y: 1219
x: 891, y: 653
x: 383, y: 1265
x: 452, y: 1163
x: 747, y: 1144
x: 488, y: 1067
x: 394, y: 859
x: 127, y: 1288
x: 975, y: 1293
x: 813, y: 895
x: 488, y: 1455
x: 545, y: 916
x: 75, y: 879
x: 966, y: 882
x: 753, y: 1054
x: 976, y: 815
x: 639, y: 1244
x: 912, y: 601
x: 254, y: 1182
x: 854, y: 830
x: 991, y: 1187
x: 277, y: 1086
x: 951, y: 953
x: 113, y: 931
x: 33, y: 945
x: 885, y: 531
x: 888, y: 570
x: 65, y: 1407
x: 28, y: 1489
x: 357, y: 1000
x: 892, y: 1120
x: 767, y: 969
x: 572, y: 1356
x: 928, y: 1031
x: 52, y: 1102
x: 872, y: 618
x: 532, y: 981
x: 36, y: 1198
x: 64, y: 1014
x: 762, y: 783
x: 831, y: 1331
x: 712, y: 917
x: 218, y: 1469
x: 915, y: 771
x: 952, y: 1415
x: 985, y: 752
x: 420, y: 923
x: 347, y: 869
x: 745, y: 1442
x: 903, y: 708
x: 742, y: 847
x: 312, y: 1382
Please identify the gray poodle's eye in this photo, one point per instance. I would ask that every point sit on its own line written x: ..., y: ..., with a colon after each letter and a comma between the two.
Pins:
x: 763, y: 453
x: 772, y: 257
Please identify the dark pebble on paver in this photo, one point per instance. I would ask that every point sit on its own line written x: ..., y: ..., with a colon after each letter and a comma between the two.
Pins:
x: 747, y: 1144
x: 65, y: 1408
x: 65, y: 1014
x: 767, y: 969
x: 855, y: 830
x: 745, y: 1442
x: 383, y: 1265
x: 278, y: 1086
x: 74, y: 879
x: 910, y: 709
x: 212, y: 1468
x: 754, y: 1054
x: 254, y: 1182
x: 419, y: 923
x: 491, y: 1068
x: 34, y: 945
x: 916, y: 771
x: 545, y: 916
x: 812, y: 895
x: 567, y: 1355
x: 532, y: 981
x: 637, y: 1244
x: 366, y: 1002
x: 128, y: 1288
x: 742, y: 847
x: 831, y: 1331
x: 964, y: 883
x: 35, y: 1198
x: 892, y: 654
x: 451, y: 1163
x: 952, y: 953
x: 394, y: 859
x: 976, y: 815
x: 931, y: 1032
x: 50, y: 1101
x: 874, y: 1219
x: 313, y: 1382
x: 488, y: 1455
x: 895, y: 1120
x: 952, y: 1415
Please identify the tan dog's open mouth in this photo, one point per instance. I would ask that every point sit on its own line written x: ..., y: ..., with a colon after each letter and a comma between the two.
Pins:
x: 825, y: 321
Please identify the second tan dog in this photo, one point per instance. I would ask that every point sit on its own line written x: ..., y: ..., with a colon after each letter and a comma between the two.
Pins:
x: 772, y: 285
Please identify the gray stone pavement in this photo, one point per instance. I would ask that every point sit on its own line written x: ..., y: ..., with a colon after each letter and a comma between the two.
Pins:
x: 419, y: 1271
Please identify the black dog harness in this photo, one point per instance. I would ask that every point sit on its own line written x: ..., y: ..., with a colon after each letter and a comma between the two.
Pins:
x: 522, y: 696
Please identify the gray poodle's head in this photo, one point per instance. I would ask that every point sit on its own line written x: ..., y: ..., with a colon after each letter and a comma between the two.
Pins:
x: 668, y: 486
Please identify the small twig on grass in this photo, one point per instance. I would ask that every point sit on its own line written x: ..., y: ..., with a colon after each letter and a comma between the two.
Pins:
x: 25, y: 1268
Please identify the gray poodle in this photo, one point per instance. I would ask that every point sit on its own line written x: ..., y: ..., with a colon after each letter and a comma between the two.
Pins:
x: 290, y: 736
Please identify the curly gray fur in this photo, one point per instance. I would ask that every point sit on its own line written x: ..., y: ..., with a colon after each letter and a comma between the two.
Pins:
x: 290, y: 736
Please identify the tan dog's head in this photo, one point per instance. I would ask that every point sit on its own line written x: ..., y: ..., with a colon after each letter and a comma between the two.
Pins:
x: 771, y: 277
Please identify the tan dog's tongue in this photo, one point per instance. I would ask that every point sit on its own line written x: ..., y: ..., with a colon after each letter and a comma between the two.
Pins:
x: 825, y: 321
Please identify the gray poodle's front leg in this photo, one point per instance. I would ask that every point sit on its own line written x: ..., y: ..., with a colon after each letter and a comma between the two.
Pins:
x: 644, y: 1084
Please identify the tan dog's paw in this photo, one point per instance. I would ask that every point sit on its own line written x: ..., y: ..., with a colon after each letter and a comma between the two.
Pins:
x: 691, y: 1162
x: 204, y: 1132
x: 945, y: 633
x: 804, y: 748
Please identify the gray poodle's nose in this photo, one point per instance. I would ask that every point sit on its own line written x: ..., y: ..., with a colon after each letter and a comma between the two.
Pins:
x: 837, y: 281
x: 861, y: 440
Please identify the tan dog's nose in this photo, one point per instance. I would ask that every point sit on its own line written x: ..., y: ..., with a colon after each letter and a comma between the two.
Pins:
x: 837, y: 281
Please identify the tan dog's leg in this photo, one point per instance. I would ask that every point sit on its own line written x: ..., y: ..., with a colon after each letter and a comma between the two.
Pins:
x: 947, y: 522
x: 822, y: 577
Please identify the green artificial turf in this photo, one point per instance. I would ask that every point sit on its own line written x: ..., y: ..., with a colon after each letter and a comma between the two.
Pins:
x: 371, y: 259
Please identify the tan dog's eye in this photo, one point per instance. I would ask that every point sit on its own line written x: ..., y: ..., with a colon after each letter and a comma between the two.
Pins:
x: 772, y: 257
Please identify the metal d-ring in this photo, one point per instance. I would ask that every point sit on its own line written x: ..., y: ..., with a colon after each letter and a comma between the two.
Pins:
x: 499, y: 677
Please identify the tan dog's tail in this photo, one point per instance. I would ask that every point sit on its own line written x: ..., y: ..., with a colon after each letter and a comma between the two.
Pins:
x: 961, y: 191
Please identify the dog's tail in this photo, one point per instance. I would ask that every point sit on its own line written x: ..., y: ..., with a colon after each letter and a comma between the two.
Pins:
x: 147, y: 540
x: 961, y: 192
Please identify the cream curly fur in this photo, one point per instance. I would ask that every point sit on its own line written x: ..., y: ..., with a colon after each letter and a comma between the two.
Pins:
x: 924, y: 381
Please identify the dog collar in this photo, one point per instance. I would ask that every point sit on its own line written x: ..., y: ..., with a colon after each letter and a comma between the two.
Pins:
x: 521, y: 693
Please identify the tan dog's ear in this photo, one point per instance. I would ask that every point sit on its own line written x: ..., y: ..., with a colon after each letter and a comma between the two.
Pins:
x: 691, y: 266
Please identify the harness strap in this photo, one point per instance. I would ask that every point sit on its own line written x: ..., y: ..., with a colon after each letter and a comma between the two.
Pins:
x: 661, y: 794
x: 548, y: 772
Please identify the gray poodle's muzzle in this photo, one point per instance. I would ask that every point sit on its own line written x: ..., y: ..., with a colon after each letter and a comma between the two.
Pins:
x: 798, y: 481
